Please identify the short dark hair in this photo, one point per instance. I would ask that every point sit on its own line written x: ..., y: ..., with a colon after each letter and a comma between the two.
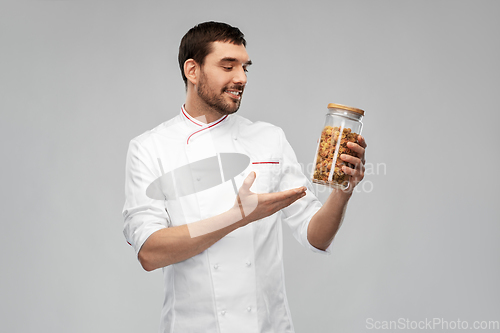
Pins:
x: 197, y: 42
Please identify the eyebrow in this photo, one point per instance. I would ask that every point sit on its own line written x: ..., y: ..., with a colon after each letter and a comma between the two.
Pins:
x: 229, y: 59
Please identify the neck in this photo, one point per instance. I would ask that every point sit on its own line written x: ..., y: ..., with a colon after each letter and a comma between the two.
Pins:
x: 199, y: 109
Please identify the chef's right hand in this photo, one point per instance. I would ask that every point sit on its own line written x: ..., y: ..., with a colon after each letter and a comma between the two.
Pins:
x: 257, y: 206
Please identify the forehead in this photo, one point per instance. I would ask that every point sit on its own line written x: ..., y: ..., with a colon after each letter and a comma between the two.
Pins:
x: 225, y: 50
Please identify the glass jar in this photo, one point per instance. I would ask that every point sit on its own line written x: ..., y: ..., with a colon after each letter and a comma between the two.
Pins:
x: 342, y: 124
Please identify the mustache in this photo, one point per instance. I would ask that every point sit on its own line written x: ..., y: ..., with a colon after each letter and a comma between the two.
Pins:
x: 236, y: 87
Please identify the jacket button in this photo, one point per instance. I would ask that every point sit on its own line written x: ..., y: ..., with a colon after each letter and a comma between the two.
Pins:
x: 249, y: 309
x: 248, y: 263
x: 223, y: 312
x: 216, y: 266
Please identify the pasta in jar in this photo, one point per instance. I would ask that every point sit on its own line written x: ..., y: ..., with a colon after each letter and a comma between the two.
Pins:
x: 343, y: 124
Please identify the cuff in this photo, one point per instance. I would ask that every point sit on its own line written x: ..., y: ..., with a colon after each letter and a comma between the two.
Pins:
x: 328, y: 250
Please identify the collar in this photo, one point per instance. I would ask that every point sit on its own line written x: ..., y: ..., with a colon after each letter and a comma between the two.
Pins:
x: 198, y: 125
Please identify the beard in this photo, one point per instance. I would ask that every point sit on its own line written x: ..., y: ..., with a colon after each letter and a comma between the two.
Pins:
x: 216, y: 100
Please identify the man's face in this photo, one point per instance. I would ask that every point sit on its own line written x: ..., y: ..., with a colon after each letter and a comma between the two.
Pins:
x: 223, y: 77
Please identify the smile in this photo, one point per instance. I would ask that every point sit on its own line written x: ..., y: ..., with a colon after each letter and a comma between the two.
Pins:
x: 234, y: 93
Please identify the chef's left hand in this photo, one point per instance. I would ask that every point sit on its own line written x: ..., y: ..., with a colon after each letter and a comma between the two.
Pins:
x: 358, y: 172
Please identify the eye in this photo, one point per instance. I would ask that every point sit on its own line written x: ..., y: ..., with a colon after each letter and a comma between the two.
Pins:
x: 228, y: 68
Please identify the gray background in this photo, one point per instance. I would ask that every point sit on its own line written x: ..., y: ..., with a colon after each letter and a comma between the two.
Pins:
x: 79, y: 79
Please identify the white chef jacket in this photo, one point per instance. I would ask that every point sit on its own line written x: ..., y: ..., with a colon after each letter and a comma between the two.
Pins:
x: 237, y: 284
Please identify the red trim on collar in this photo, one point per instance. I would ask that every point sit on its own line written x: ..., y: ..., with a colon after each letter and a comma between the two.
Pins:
x: 191, y: 120
x: 265, y: 162
x: 187, y: 141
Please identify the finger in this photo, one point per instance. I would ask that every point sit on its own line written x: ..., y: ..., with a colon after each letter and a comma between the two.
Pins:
x: 292, y: 194
x: 286, y: 200
x: 296, y: 191
x: 271, y: 203
x: 357, y: 172
x: 357, y: 162
x: 248, y: 182
x: 360, y: 151
x: 361, y: 141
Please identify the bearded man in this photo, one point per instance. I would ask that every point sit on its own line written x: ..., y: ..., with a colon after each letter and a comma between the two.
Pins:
x: 218, y: 238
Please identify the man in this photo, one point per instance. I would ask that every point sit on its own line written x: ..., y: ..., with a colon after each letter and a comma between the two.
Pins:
x: 220, y: 246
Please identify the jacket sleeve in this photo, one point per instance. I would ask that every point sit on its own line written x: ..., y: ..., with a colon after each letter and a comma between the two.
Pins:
x: 299, y: 214
x: 142, y: 215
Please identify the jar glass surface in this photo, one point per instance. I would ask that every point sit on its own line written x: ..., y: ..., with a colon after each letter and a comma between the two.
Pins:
x: 341, y: 126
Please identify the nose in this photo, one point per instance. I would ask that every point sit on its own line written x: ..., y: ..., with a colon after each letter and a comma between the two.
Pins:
x: 240, y: 76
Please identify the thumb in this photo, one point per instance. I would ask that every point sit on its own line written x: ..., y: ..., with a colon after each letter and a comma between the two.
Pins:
x: 248, y: 182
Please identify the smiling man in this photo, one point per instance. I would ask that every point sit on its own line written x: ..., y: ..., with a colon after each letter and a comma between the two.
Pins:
x: 216, y: 83
x: 220, y: 246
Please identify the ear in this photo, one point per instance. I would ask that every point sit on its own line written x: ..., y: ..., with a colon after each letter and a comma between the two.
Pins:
x: 191, y: 68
